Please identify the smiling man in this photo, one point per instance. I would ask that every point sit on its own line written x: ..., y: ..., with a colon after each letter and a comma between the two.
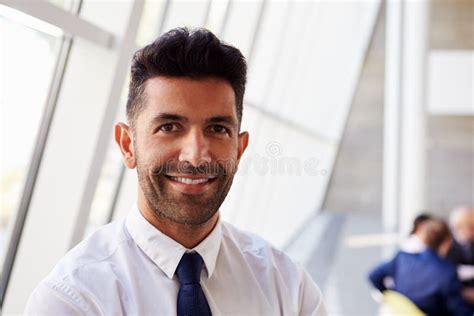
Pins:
x: 173, y: 255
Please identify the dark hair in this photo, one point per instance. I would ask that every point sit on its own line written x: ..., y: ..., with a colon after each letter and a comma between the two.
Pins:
x: 182, y: 52
x: 420, y: 219
x: 437, y: 231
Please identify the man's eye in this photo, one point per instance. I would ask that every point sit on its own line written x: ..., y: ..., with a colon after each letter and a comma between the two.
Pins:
x: 168, y: 127
x: 218, y: 129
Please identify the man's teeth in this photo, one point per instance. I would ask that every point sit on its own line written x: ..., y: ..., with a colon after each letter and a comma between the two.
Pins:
x: 189, y: 181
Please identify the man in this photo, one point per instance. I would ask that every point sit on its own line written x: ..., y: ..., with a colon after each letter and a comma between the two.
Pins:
x: 428, y: 280
x: 462, y: 224
x: 461, y: 252
x: 414, y: 243
x: 172, y: 254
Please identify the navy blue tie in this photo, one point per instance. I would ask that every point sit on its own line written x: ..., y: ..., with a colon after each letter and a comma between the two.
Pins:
x: 191, y: 298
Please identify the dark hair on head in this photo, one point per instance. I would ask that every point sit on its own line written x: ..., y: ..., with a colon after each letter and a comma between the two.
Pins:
x: 182, y: 52
x: 420, y: 219
x: 436, y: 232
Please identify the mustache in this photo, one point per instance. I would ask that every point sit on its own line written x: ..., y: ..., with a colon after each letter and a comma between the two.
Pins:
x: 185, y: 168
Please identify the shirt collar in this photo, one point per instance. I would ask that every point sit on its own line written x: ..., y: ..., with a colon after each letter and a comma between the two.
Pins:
x: 166, y: 252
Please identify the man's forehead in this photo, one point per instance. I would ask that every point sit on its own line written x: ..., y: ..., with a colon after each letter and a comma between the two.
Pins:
x: 186, y: 96
x: 182, y: 86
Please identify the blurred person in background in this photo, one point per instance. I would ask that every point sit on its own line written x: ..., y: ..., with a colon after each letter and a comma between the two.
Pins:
x: 414, y: 242
x: 461, y: 252
x: 426, y: 278
x: 462, y: 224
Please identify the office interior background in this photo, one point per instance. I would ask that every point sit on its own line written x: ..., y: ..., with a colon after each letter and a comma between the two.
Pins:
x: 360, y: 114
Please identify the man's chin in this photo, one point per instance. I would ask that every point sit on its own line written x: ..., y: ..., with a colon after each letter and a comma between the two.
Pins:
x: 191, y: 218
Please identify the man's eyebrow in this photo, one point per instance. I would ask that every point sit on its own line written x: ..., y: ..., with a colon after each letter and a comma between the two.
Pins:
x: 169, y: 117
x: 222, y: 119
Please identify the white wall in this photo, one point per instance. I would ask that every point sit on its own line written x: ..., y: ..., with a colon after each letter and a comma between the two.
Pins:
x: 451, y: 82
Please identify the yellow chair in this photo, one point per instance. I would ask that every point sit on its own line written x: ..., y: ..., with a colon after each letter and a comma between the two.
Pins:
x: 396, y: 304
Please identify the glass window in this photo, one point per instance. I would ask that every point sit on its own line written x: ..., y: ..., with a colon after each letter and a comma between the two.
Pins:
x: 102, y: 207
x: 216, y: 18
x: 29, y: 50
x: 103, y: 203
x: 150, y: 22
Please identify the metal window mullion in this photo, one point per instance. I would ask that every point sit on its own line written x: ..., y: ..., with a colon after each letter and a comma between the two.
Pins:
x: 206, y: 15
x: 223, y: 26
x: 164, y: 16
x: 256, y: 33
x: 67, y: 21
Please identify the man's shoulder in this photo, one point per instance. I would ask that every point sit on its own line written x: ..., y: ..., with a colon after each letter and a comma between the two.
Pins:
x: 274, y: 269
x: 94, y: 253
x: 456, y: 254
x: 428, y: 257
x: 439, y: 266
x: 259, y: 251
x: 90, y: 268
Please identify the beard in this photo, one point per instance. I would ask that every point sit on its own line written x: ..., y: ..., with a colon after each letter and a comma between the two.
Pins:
x: 178, y: 207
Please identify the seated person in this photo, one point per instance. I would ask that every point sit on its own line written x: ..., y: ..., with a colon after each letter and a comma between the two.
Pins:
x: 462, y: 225
x: 412, y: 244
x: 461, y: 252
x: 427, y: 279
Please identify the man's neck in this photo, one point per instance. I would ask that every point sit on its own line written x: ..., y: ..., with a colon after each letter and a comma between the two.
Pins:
x: 187, y: 235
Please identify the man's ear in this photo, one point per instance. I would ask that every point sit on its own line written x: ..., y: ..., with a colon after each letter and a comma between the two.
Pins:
x: 124, y: 139
x: 243, y: 143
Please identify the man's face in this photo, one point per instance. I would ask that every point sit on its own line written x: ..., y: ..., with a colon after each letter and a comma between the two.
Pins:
x: 465, y: 228
x: 186, y: 147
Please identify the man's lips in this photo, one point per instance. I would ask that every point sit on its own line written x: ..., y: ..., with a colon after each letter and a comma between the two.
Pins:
x: 191, y: 184
x: 191, y: 176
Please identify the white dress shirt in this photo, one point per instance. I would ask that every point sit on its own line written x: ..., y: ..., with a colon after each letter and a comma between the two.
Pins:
x: 128, y: 268
x: 413, y: 244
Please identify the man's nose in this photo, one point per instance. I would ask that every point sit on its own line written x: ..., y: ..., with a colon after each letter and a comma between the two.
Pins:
x: 195, y: 149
